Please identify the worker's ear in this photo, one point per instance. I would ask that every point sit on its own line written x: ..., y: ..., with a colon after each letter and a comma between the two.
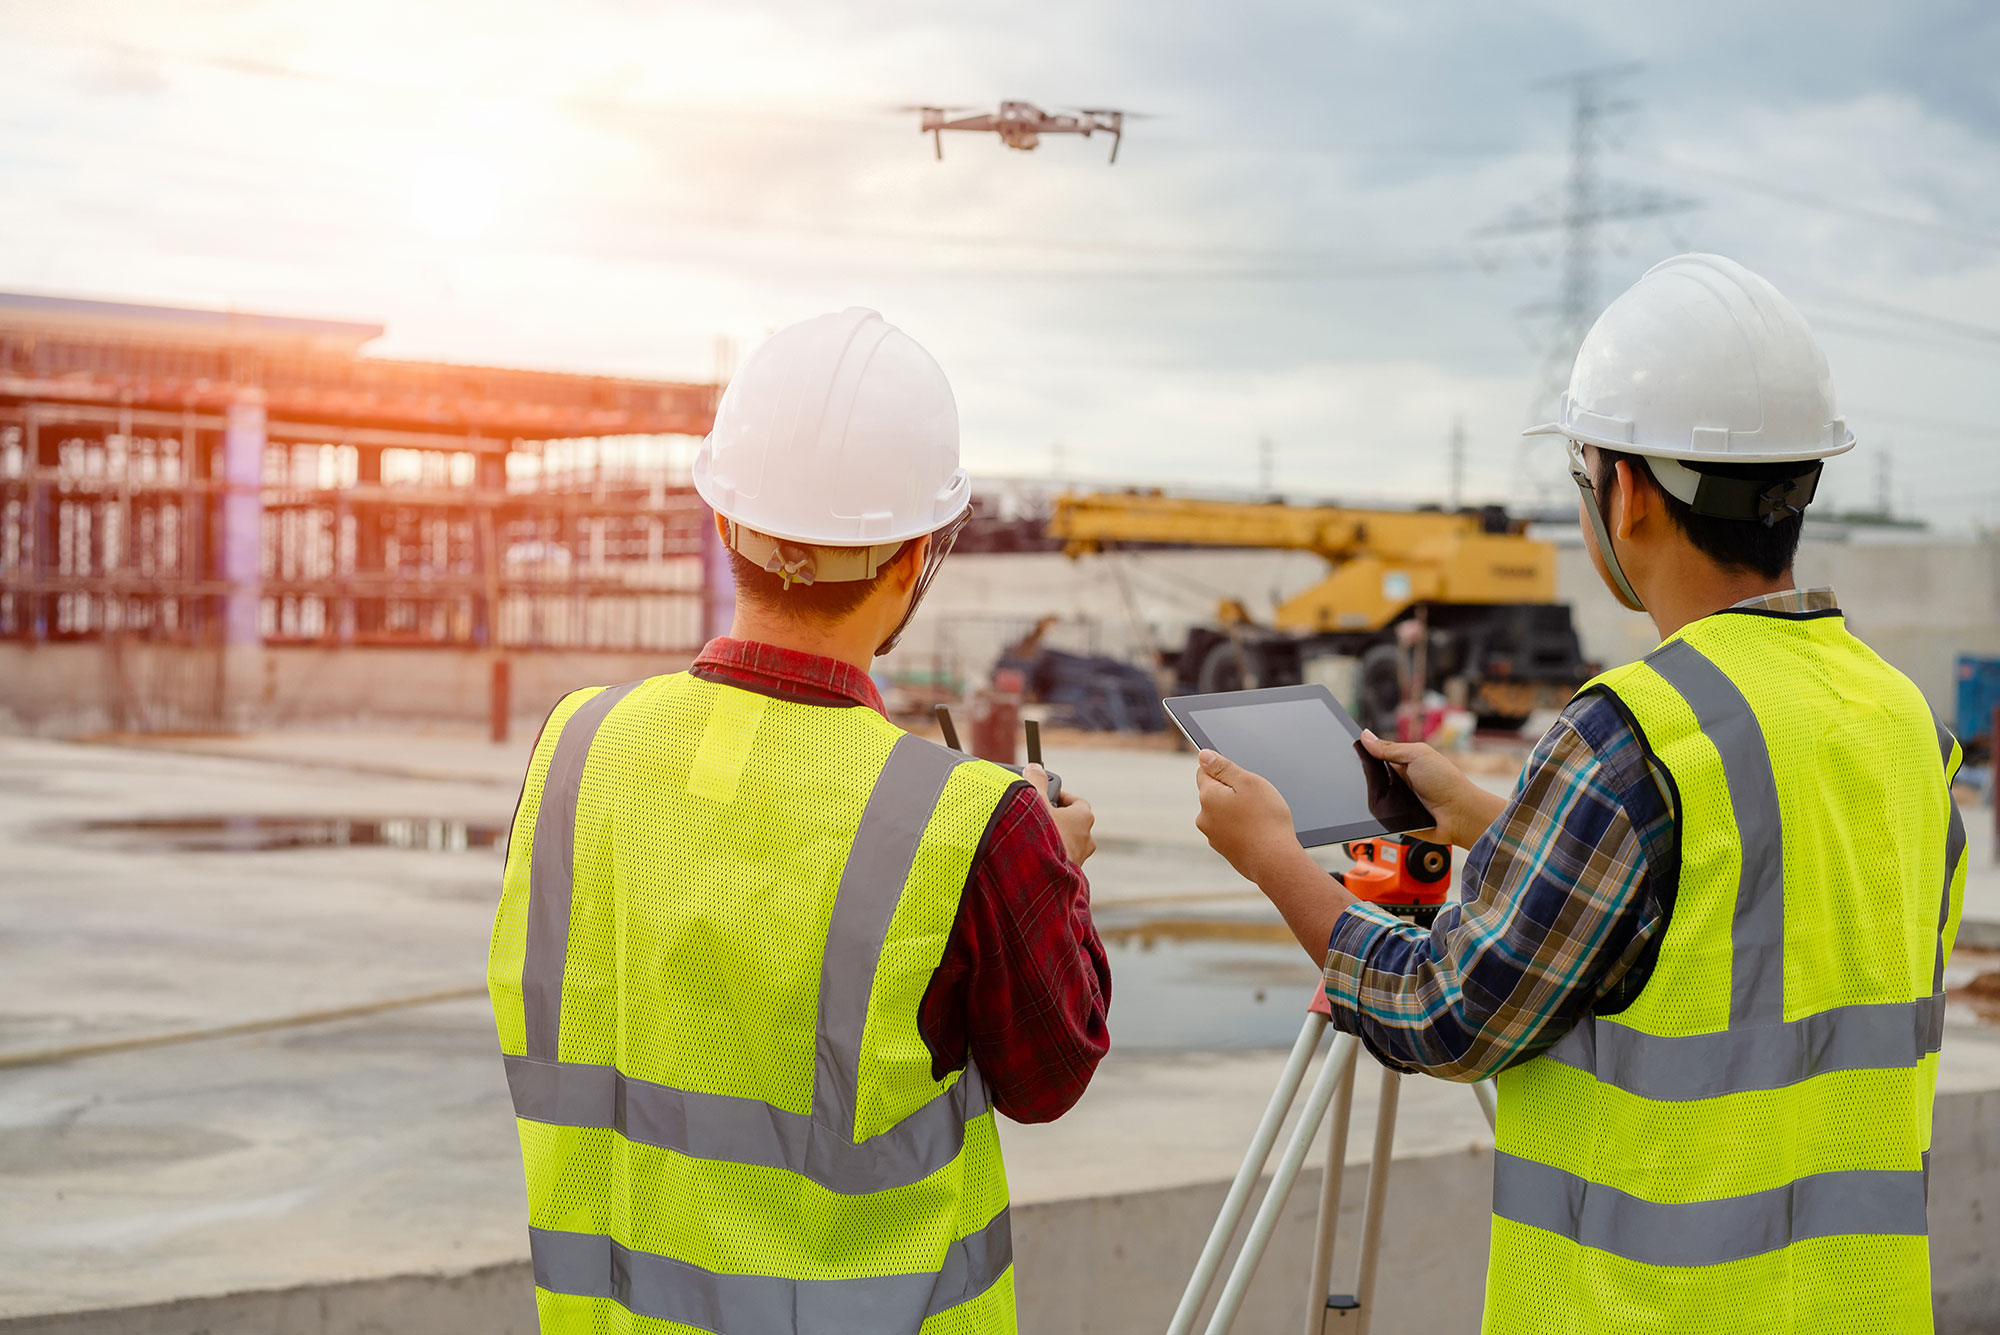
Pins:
x: 908, y: 567
x: 1633, y: 504
x: 722, y: 529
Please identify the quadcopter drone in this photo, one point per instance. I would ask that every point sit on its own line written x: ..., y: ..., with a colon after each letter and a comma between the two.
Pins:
x: 1022, y: 124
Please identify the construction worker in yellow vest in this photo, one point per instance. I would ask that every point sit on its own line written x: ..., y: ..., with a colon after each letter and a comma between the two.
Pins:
x: 1702, y: 945
x: 764, y: 964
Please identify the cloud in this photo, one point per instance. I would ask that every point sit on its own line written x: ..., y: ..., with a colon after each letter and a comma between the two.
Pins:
x: 1284, y: 251
x: 122, y: 76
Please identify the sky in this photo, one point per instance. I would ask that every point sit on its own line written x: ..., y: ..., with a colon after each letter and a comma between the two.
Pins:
x: 1289, y: 248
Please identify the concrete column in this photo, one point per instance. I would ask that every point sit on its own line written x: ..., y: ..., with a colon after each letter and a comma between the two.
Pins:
x: 369, y: 611
x: 241, y: 549
x: 489, y: 484
x: 42, y: 460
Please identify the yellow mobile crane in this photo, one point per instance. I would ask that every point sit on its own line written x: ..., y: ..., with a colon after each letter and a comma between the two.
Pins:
x: 1482, y: 591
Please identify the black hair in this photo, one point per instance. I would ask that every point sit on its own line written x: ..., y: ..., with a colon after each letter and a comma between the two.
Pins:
x: 824, y: 603
x: 1733, y: 544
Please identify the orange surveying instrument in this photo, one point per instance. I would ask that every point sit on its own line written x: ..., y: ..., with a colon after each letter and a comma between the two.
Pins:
x: 1410, y: 877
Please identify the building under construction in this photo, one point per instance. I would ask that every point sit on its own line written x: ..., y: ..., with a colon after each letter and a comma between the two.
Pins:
x: 212, y: 519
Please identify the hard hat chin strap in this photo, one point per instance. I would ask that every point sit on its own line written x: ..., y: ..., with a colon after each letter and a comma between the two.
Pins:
x: 941, y: 545
x: 1594, y: 512
x: 1622, y: 585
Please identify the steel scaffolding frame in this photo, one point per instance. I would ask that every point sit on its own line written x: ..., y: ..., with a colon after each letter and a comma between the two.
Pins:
x: 396, y: 503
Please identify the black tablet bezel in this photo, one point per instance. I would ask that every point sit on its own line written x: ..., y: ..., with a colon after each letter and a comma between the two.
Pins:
x: 1186, y: 710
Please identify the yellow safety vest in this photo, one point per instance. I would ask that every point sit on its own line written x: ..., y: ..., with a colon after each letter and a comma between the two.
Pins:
x: 1746, y: 1147
x: 721, y: 912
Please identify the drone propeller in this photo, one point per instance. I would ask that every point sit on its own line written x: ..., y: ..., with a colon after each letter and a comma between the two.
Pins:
x: 943, y: 111
x: 1116, y: 128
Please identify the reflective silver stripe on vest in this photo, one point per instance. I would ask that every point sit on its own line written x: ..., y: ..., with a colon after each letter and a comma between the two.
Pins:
x: 1672, y: 1069
x: 1757, y: 926
x: 550, y: 869
x: 747, y: 1131
x: 1772, y: 1053
x: 591, y: 1266
x: 1759, y: 1050
x: 878, y: 863
x: 819, y: 1145
x: 1954, y: 851
x: 1857, y: 1201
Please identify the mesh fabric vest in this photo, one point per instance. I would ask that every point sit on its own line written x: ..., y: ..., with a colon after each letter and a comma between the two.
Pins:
x: 1746, y: 1147
x: 720, y: 914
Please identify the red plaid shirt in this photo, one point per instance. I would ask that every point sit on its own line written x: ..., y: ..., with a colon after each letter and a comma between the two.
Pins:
x: 1024, y: 984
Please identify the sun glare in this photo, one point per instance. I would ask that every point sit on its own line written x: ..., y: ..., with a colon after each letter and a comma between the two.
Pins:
x: 455, y: 196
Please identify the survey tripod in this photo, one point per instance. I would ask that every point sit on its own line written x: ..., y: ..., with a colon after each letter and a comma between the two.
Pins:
x: 1334, y: 1087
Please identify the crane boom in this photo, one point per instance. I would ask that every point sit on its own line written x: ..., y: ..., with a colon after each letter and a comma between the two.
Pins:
x: 1090, y: 521
x: 1383, y: 561
x: 1479, y: 593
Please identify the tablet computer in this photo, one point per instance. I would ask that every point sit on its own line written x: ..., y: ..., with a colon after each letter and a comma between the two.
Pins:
x: 1300, y: 739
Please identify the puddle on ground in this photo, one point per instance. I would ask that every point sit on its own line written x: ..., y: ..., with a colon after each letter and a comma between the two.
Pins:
x: 261, y: 834
x: 1193, y: 981
x: 29, y: 1150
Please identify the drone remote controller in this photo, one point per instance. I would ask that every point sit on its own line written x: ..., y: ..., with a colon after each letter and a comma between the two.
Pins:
x: 1034, y: 732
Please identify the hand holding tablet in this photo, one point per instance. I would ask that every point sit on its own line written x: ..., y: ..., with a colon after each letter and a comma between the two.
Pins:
x: 1306, y: 745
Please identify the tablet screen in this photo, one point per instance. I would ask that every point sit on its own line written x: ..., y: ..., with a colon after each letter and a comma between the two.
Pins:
x: 1300, y: 739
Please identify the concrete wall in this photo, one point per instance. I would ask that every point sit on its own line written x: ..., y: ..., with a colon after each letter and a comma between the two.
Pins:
x: 1116, y: 1265
x: 1920, y: 604
x: 74, y: 688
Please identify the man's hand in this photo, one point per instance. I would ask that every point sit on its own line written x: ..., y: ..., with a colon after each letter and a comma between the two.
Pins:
x: 1463, y: 809
x: 1243, y: 816
x: 1073, y: 818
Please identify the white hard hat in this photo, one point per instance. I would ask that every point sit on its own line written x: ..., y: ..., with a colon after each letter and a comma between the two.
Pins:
x: 1705, y: 361
x: 839, y: 431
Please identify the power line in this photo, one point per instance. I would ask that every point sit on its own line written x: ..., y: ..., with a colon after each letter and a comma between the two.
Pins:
x: 1923, y: 319
x: 270, y: 69
x: 1758, y: 184
x: 1949, y: 427
x: 1901, y: 337
x: 1247, y: 274
x: 1411, y: 148
x: 1260, y: 264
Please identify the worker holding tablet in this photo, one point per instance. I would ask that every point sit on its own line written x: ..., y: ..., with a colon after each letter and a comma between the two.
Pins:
x: 1702, y: 944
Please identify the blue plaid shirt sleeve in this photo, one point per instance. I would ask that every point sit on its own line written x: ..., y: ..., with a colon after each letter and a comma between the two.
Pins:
x: 1561, y: 904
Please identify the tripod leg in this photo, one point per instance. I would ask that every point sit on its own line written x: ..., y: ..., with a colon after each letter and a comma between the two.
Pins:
x: 1246, y: 1177
x: 1266, y: 1222
x: 1378, y: 1197
x: 1483, y: 1091
x: 1329, y: 1202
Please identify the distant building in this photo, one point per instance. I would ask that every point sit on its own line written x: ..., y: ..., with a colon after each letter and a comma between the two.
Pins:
x: 191, y: 489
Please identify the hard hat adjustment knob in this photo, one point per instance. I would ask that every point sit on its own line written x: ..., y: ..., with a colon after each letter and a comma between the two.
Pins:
x: 793, y: 565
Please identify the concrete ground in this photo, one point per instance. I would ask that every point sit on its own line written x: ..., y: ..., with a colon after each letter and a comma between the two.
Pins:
x: 273, y: 1073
